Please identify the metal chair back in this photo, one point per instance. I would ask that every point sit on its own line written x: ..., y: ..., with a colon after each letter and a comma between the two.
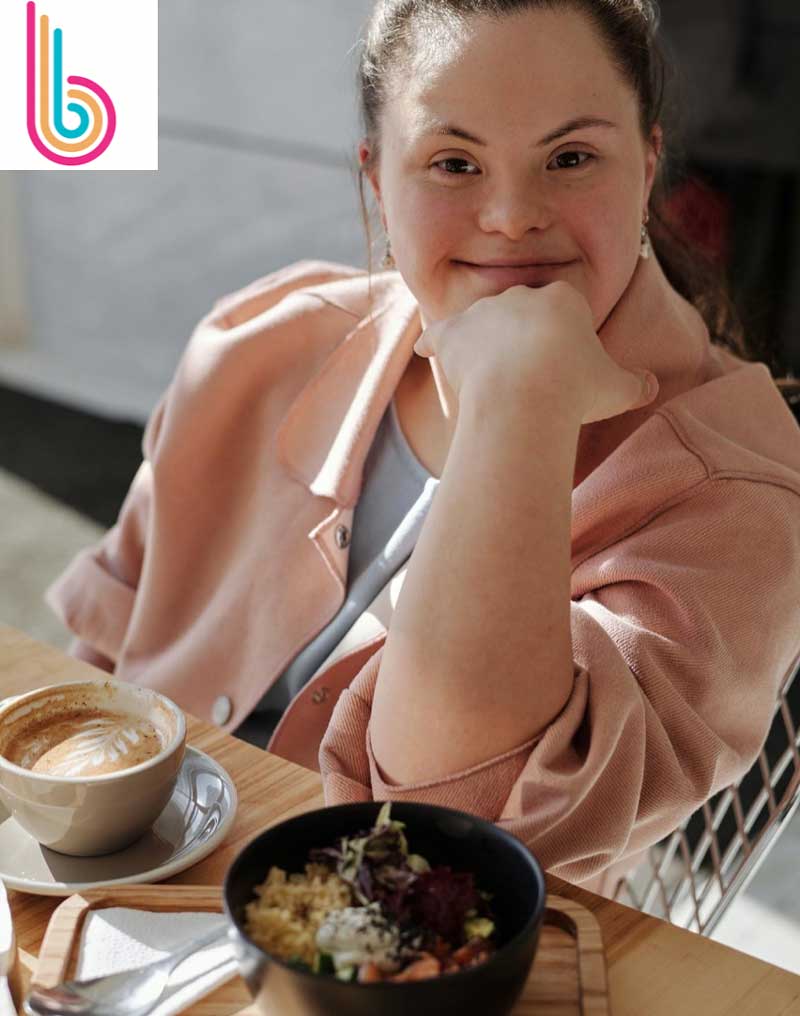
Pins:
x: 691, y: 877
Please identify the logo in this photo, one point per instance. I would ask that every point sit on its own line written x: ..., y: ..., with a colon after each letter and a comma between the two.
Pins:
x: 97, y: 126
x: 80, y: 84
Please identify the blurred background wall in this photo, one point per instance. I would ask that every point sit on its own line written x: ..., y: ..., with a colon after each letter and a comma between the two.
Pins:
x: 256, y: 129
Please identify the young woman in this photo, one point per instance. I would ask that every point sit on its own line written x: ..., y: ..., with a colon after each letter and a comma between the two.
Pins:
x: 600, y: 497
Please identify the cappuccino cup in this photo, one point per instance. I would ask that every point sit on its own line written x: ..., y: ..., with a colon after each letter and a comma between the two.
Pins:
x: 87, y: 767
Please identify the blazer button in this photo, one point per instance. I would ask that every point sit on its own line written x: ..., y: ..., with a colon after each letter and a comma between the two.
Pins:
x: 221, y: 710
x: 342, y: 536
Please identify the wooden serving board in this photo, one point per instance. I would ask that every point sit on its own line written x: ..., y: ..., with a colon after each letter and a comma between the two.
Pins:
x: 59, y: 952
x: 568, y: 976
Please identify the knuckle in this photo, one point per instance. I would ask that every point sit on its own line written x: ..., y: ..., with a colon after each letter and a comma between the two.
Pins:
x: 562, y: 291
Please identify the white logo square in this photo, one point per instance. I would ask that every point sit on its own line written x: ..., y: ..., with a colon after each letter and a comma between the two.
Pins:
x: 80, y: 84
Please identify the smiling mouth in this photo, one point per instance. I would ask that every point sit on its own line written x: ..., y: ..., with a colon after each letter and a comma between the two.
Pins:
x: 502, y: 277
x: 518, y: 267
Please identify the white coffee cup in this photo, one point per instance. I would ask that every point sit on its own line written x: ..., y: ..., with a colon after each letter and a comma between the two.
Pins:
x: 87, y: 767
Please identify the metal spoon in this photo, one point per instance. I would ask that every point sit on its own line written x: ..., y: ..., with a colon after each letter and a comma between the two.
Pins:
x: 129, y: 993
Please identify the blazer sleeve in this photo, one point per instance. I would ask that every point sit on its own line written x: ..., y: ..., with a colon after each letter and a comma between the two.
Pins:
x: 679, y: 647
x: 94, y: 597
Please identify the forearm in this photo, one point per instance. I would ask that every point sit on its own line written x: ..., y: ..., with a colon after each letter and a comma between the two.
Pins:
x: 478, y: 658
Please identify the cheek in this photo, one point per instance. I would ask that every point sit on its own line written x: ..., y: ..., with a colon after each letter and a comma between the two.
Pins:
x: 598, y: 222
x: 426, y: 234
x: 605, y: 229
x: 433, y: 222
x: 614, y: 220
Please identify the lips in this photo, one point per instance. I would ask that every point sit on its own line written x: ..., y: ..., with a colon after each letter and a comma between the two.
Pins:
x: 505, y: 276
x: 533, y: 263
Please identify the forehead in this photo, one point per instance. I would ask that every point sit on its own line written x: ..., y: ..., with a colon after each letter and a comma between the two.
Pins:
x: 525, y: 71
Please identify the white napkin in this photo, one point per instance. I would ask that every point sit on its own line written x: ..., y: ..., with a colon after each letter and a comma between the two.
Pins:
x: 120, y: 938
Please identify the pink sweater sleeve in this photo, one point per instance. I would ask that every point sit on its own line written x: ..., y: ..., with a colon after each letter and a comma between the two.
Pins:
x: 94, y: 596
x: 681, y: 634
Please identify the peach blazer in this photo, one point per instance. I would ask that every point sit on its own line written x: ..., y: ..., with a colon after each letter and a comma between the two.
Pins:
x: 231, y: 550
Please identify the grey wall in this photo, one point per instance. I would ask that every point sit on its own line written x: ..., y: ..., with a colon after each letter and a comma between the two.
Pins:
x: 258, y: 135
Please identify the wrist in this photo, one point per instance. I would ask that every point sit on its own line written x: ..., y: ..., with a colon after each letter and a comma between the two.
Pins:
x: 493, y: 399
x: 517, y: 439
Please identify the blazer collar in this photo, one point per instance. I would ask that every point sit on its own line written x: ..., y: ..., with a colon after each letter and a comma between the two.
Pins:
x: 328, y: 430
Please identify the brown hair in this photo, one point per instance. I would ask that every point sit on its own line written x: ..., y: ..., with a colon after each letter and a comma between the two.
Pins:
x: 629, y: 28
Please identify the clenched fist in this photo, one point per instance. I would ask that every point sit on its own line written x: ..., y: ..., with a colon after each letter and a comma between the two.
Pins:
x: 539, y: 342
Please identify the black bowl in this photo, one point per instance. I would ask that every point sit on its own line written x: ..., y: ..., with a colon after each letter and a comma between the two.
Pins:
x: 502, y: 865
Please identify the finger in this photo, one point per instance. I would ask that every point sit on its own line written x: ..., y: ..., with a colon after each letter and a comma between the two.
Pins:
x: 422, y: 347
x: 648, y: 387
x: 631, y: 389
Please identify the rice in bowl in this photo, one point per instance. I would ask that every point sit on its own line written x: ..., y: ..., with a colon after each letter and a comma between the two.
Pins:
x: 289, y: 910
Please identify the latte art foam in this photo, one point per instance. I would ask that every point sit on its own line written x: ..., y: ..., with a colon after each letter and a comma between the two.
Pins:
x: 85, y: 743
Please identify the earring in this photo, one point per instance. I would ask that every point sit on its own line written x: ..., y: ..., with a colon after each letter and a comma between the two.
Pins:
x: 388, y: 258
x: 646, y: 248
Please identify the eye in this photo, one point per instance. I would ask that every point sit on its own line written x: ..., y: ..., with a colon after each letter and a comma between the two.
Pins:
x: 572, y: 156
x: 453, y: 161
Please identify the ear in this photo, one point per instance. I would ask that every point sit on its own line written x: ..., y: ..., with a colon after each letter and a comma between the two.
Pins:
x: 364, y: 151
x: 653, y: 153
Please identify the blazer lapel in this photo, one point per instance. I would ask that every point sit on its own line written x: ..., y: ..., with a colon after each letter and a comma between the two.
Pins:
x: 328, y: 430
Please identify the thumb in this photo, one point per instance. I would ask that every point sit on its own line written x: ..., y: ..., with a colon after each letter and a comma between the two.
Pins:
x: 421, y: 346
x: 649, y: 385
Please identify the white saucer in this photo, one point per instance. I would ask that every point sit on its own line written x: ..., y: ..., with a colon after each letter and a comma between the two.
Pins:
x: 195, y: 821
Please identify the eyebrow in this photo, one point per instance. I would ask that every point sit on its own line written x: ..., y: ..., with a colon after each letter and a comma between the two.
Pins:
x: 576, y: 124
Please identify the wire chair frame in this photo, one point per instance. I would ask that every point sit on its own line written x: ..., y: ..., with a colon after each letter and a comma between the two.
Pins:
x: 692, y: 884
x: 692, y: 876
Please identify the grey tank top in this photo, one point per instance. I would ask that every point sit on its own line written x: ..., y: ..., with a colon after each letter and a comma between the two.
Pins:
x: 397, y: 491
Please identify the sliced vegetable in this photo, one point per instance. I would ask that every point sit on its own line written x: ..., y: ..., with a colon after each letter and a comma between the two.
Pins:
x: 420, y: 970
x: 478, y: 927
x: 323, y: 963
x: 369, y: 973
x: 473, y: 953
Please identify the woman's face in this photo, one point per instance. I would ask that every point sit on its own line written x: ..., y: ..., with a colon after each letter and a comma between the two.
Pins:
x: 530, y: 185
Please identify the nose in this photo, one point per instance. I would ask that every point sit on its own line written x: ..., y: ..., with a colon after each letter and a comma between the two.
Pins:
x: 514, y: 207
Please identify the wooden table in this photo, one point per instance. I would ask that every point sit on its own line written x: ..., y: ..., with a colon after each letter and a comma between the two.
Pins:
x: 654, y: 968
